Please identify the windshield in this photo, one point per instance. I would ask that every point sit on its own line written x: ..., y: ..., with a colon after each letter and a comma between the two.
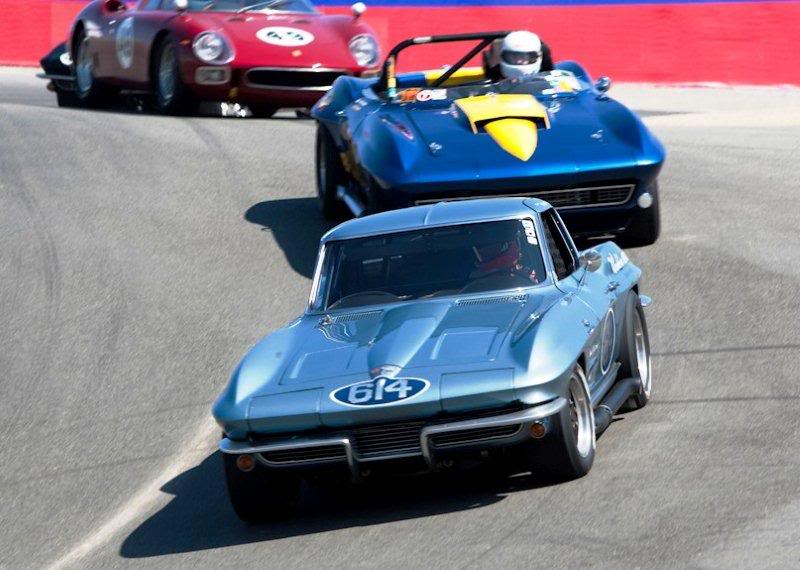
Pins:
x: 433, y: 262
x: 253, y: 5
x: 545, y: 85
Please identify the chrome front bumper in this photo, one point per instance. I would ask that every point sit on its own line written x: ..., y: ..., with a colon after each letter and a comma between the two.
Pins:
x: 341, y: 448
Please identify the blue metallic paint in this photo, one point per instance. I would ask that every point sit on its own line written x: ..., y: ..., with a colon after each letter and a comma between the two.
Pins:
x: 593, y: 140
x: 478, y: 351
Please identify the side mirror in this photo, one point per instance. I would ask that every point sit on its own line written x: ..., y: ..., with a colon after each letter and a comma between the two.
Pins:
x: 181, y: 5
x: 590, y: 260
x: 358, y: 9
x: 115, y: 5
x: 603, y: 83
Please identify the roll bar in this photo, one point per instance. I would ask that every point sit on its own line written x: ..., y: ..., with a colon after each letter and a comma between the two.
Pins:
x: 388, y: 78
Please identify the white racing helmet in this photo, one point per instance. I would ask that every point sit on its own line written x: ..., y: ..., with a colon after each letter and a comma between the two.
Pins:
x: 520, y: 54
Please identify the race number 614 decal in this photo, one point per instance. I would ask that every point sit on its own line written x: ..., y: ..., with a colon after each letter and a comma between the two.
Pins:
x: 380, y: 391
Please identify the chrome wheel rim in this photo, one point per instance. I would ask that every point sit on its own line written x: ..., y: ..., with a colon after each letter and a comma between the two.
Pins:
x: 84, y: 73
x: 581, y: 414
x: 166, y: 75
x: 642, y: 352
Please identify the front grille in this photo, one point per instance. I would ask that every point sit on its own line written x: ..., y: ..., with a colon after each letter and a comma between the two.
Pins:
x: 474, y: 435
x: 292, y: 78
x: 564, y: 199
x: 301, y: 454
x: 385, y: 439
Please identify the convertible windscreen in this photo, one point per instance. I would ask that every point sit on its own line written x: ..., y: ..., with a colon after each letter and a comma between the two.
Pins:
x: 250, y: 6
x: 428, y: 263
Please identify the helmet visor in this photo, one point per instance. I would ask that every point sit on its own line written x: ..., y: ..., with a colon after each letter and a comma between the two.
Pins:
x: 520, y: 57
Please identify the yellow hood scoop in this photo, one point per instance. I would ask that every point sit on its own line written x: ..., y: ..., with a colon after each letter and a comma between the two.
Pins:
x: 512, y: 120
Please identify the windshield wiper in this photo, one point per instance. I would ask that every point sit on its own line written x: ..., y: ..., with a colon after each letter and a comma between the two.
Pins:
x: 265, y: 4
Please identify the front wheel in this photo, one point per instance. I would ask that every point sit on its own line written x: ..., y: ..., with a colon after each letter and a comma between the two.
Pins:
x: 88, y: 91
x: 257, y: 496
x: 635, y: 352
x: 66, y: 98
x: 170, y: 94
x: 567, y: 452
x: 330, y: 175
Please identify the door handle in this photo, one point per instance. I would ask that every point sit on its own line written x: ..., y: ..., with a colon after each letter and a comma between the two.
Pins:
x: 613, y: 286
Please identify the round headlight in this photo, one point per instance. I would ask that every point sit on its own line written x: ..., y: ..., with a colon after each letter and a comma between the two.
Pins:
x: 212, y: 47
x: 365, y: 50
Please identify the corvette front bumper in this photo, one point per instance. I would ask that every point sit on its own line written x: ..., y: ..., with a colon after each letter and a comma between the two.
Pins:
x: 436, y: 442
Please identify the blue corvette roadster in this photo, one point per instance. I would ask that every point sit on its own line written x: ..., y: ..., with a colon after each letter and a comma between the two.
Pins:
x: 419, y: 138
x: 434, y: 334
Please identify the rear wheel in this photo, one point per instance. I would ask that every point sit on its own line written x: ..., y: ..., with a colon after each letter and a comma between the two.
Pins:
x: 330, y: 175
x: 567, y: 452
x: 257, y: 496
x: 635, y: 352
x: 645, y: 227
x: 88, y: 91
x: 170, y: 94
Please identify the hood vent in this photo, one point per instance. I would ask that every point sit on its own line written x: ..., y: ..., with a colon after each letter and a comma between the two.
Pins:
x: 492, y: 300
x: 351, y: 317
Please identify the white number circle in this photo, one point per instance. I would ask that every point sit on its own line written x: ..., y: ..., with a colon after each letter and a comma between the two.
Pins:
x: 286, y: 37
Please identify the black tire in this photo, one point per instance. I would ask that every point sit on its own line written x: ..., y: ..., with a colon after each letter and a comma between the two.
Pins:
x: 330, y: 174
x: 262, y: 111
x: 567, y: 452
x: 635, y: 352
x: 171, y: 96
x: 89, y: 92
x: 645, y: 228
x: 66, y: 98
x: 257, y: 496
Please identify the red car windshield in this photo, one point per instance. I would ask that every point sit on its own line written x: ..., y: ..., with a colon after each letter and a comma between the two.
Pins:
x: 250, y: 6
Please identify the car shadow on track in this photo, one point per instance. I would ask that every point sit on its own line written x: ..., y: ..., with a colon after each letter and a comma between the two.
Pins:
x: 296, y: 225
x: 199, y: 516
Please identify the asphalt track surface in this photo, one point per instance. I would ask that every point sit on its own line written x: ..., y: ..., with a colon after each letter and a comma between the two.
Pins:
x: 140, y: 256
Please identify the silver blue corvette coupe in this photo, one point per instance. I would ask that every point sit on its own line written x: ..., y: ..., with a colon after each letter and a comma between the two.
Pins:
x: 434, y: 335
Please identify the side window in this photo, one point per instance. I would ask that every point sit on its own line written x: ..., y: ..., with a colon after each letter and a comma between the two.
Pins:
x: 560, y: 250
x: 150, y: 4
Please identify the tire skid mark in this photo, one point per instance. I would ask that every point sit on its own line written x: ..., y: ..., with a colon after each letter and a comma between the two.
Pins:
x: 40, y: 364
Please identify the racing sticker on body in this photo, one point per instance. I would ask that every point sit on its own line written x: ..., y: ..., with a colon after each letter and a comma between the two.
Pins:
x: 380, y: 391
x: 617, y: 261
x: 425, y: 95
x: 561, y: 82
x: 530, y: 231
x: 125, y: 43
x: 283, y: 36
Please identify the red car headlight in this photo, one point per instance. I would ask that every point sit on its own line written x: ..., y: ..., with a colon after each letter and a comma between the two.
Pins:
x: 212, y: 47
x: 364, y: 49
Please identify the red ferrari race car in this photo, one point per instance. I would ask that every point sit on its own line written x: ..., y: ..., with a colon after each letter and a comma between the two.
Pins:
x: 265, y: 55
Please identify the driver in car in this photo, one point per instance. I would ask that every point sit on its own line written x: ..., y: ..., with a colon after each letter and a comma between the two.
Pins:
x: 518, y: 54
x: 501, y: 259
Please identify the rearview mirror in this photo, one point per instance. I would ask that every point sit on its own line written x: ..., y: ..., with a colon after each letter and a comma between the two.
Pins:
x: 603, y: 83
x: 181, y: 5
x: 358, y: 9
x: 590, y: 260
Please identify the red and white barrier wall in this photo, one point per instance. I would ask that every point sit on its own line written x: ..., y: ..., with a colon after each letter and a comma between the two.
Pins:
x: 751, y: 42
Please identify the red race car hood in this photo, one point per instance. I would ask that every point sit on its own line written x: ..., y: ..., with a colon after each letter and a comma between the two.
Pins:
x: 291, y: 40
